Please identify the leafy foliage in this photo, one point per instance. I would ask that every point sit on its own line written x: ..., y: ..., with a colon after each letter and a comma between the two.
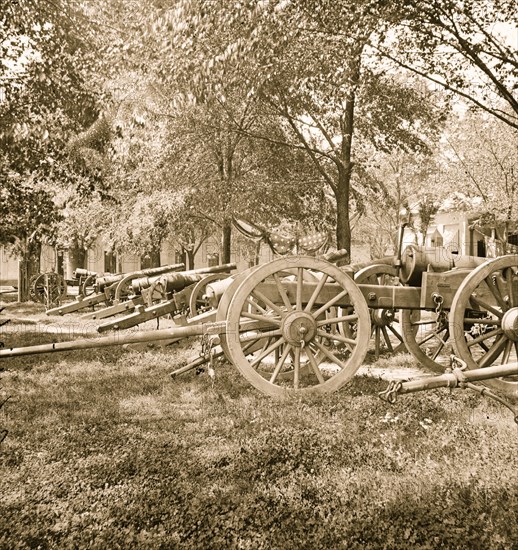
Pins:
x: 468, y: 48
x: 48, y: 92
x: 323, y: 83
x: 482, y: 161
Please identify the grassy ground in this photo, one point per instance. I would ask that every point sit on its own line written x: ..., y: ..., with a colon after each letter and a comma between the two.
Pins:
x: 106, y: 451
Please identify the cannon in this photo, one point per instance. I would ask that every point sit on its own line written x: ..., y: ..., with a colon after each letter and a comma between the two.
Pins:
x: 85, y: 280
x: 108, y: 287
x: 175, y: 289
x: 300, y: 324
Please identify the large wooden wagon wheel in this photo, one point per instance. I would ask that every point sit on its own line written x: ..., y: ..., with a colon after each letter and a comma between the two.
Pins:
x: 305, y: 351
x: 47, y: 288
x: 484, y: 319
x: 385, y: 322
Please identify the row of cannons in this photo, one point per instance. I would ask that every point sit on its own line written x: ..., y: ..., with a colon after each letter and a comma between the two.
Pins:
x: 300, y: 324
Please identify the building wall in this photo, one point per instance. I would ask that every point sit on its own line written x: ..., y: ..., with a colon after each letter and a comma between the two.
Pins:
x: 8, y: 268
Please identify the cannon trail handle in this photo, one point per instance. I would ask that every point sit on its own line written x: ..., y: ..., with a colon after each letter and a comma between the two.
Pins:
x: 456, y: 378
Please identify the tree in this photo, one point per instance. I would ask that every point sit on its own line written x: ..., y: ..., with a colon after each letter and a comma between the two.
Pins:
x: 405, y: 178
x: 319, y: 79
x: 467, y: 48
x: 481, y: 161
x: 46, y: 95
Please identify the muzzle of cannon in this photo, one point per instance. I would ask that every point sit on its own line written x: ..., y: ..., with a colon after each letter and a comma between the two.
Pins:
x: 179, y: 280
x: 110, y: 287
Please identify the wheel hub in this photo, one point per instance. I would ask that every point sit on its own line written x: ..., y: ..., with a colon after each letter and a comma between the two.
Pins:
x: 510, y: 324
x: 298, y: 327
x: 383, y: 317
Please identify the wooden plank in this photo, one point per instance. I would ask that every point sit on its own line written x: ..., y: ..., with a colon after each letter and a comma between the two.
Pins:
x: 397, y: 297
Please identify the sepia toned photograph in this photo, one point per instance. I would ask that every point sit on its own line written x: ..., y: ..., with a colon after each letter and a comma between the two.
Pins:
x: 259, y: 274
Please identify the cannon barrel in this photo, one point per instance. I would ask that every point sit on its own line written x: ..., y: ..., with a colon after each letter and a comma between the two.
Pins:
x: 143, y: 283
x: 108, y: 280
x: 81, y: 272
x: 415, y: 260
x: 173, y: 282
x: 385, y: 260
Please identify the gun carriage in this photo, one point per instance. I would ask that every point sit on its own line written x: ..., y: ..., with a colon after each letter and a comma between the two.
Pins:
x: 300, y: 324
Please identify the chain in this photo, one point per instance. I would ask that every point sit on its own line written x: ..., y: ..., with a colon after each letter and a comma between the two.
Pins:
x: 205, y: 346
x: 208, y: 352
x: 440, y: 314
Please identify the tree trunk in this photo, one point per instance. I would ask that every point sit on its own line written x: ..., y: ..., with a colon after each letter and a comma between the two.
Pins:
x: 226, y: 244
x: 29, y: 266
x: 343, y: 187
x: 155, y: 258
x: 190, y: 258
x: 343, y: 228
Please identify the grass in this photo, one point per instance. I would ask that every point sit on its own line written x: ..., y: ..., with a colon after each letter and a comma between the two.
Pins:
x: 106, y: 451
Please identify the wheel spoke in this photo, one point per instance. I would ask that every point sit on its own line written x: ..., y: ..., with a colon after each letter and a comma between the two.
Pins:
x: 314, y: 366
x: 255, y: 305
x: 300, y: 280
x: 495, y: 292
x: 441, y: 345
x: 494, y: 352
x: 387, y: 339
x: 330, y: 355
x: 421, y: 323
x: 262, y: 298
x: 335, y: 320
x: 265, y: 318
x: 485, y: 336
x: 282, y: 291
x: 428, y: 337
x: 507, y: 352
x: 267, y: 351
x: 396, y: 333
x: 338, y: 337
x: 316, y: 292
x: 280, y: 363
x: 486, y: 306
x: 330, y: 303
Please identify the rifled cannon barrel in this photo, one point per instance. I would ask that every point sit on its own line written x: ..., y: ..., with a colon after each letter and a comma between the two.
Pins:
x: 81, y: 272
x: 137, y: 286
